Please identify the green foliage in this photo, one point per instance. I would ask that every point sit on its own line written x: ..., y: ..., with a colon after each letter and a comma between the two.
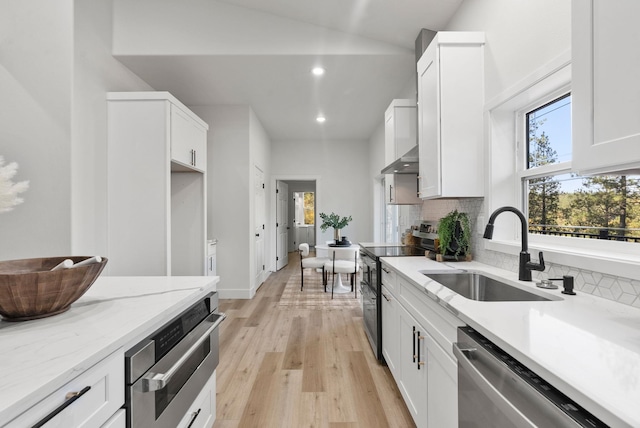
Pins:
x: 544, y: 192
x: 449, y: 243
x: 333, y: 220
x: 309, y: 208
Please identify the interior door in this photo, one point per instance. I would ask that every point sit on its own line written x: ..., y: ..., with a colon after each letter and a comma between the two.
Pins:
x: 282, y: 222
x: 259, y: 208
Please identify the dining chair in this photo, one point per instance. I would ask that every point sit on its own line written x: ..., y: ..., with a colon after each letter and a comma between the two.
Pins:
x: 343, y: 260
x: 314, y: 263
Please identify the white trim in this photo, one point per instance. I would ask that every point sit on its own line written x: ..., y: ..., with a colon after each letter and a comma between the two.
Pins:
x: 274, y: 201
x: 606, y: 262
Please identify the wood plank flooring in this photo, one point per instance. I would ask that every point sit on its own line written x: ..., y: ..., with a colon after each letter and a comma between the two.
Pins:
x: 296, y: 365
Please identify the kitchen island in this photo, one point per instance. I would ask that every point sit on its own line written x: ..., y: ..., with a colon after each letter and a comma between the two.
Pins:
x: 37, y: 357
x: 585, y: 346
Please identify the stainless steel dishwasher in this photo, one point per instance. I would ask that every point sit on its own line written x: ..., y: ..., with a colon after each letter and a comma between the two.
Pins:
x: 495, y: 390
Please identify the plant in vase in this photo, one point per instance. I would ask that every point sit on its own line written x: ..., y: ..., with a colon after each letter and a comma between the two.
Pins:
x: 454, y: 235
x: 335, y: 221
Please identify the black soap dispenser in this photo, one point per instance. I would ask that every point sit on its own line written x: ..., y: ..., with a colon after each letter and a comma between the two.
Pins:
x: 567, y: 284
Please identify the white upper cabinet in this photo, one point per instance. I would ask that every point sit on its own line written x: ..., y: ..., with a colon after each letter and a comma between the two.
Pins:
x: 400, y: 131
x: 450, y: 116
x: 188, y: 139
x: 605, y: 86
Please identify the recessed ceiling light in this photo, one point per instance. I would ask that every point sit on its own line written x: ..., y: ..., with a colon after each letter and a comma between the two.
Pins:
x: 317, y: 71
x: 320, y: 119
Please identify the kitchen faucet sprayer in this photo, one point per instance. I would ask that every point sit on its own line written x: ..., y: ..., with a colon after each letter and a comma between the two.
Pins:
x: 526, y: 265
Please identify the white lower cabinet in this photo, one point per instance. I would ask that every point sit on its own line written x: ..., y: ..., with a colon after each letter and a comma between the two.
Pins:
x: 442, y: 391
x: 413, y: 381
x: 89, y: 400
x: 119, y: 420
x: 417, y: 338
x: 390, y: 328
x: 202, y: 413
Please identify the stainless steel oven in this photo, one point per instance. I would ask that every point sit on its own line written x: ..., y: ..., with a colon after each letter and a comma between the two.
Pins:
x: 166, y: 371
x: 495, y: 390
x: 371, y: 311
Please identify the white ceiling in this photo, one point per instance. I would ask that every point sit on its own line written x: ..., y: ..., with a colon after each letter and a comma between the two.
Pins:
x: 352, y: 95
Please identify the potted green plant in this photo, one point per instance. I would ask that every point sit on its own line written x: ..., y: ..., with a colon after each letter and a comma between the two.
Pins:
x: 454, y: 235
x: 335, y: 221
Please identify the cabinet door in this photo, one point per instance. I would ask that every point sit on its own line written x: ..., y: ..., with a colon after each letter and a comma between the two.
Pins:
x: 428, y: 123
x: 389, y: 189
x: 442, y: 371
x: 390, y: 328
x: 188, y: 140
x: 99, y: 393
x: 413, y: 380
x: 605, y: 86
x: 202, y: 413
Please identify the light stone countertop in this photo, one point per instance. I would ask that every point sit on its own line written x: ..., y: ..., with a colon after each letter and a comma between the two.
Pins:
x: 587, y: 347
x: 39, y: 356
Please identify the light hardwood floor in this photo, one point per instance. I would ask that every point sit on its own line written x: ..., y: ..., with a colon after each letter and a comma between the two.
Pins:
x: 285, y: 365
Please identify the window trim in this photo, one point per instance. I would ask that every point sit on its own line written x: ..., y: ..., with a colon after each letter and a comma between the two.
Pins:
x: 549, y: 82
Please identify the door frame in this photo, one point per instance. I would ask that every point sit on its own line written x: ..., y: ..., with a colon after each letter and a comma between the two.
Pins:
x: 273, y: 199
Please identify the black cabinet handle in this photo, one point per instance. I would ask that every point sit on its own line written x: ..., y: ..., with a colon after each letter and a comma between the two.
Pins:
x: 390, y: 198
x: 193, y: 418
x: 414, y: 343
x: 71, y: 397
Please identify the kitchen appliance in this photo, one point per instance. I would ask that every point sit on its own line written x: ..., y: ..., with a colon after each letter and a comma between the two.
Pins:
x: 165, y: 372
x: 371, y: 288
x: 496, y: 390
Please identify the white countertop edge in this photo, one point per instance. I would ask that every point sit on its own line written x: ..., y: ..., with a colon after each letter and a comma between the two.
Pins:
x: 20, y: 404
x: 600, y: 404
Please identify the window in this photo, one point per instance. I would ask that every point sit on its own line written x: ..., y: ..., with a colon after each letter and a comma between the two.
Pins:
x: 561, y: 203
x: 305, y: 213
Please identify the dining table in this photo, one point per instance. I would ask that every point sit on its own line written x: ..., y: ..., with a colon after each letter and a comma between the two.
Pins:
x: 339, y: 287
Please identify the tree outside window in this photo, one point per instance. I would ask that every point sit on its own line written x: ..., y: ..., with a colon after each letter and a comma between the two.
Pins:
x: 566, y: 204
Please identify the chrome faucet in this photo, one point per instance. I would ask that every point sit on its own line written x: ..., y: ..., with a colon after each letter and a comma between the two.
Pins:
x: 526, y: 265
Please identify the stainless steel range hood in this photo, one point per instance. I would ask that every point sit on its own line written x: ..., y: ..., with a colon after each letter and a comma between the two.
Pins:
x: 406, y: 164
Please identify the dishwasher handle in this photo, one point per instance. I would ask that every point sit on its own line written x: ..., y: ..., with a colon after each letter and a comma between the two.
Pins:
x: 501, y: 402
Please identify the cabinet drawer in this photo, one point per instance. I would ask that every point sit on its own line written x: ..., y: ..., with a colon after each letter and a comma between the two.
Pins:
x: 91, y: 409
x: 202, y: 413
x: 119, y: 420
x: 439, y: 323
x: 389, y: 278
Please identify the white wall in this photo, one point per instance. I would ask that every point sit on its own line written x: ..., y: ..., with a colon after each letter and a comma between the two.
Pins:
x: 55, y: 72
x: 96, y: 72
x: 520, y: 36
x: 343, y: 181
x: 229, y: 188
x: 35, y: 124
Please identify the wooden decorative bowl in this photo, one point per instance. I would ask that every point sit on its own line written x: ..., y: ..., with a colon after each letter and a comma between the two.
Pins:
x: 29, y: 289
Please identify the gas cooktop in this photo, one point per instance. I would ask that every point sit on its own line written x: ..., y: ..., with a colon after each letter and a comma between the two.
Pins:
x: 394, y: 251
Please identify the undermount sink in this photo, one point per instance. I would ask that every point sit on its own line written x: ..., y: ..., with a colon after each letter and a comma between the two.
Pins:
x: 477, y: 286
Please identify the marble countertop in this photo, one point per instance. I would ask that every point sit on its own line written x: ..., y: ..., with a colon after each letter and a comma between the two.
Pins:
x: 587, y: 347
x: 39, y: 356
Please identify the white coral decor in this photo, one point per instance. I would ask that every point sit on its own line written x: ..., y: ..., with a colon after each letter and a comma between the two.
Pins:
x: 8, y: 189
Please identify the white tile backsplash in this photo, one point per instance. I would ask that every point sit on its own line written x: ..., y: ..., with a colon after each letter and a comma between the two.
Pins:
x: 620, y: 289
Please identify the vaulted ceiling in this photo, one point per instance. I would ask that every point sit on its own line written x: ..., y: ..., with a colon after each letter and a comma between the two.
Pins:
x: 260, y: 53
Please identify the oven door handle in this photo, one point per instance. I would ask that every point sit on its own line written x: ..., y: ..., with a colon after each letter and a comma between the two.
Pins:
x: 500, y: 401
x: 157, y: 381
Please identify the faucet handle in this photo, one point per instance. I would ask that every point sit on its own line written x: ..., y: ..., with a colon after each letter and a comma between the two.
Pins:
x: 541, y: 261
x: 537, y: 266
